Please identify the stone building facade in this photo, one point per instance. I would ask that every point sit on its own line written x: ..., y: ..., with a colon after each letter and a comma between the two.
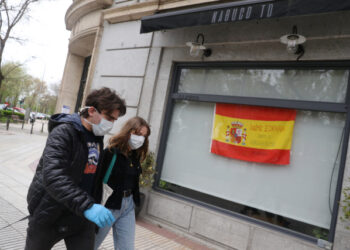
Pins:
x: 222, y: 202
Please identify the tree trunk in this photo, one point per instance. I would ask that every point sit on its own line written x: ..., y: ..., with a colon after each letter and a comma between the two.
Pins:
x: 1, y: 79
x: 15, y: 101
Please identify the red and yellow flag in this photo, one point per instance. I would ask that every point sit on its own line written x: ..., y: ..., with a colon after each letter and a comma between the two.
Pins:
x: 252, y: 133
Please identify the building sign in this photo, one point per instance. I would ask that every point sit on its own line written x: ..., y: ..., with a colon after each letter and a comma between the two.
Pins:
x: 239, y: 11
x: 242, y: 13
x: 256, y: 134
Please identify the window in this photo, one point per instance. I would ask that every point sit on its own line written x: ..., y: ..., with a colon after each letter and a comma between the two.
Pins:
x: 82, y: 83
x: 298, y: 196
x: 323, y: 85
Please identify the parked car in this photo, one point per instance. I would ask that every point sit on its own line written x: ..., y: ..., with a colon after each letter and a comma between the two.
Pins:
x: 20, y: 110
x: 40, y: 116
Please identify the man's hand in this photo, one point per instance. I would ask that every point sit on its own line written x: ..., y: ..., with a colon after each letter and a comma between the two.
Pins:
x: 99, y: 215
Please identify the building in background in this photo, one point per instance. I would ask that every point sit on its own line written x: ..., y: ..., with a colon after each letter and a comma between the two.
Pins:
x: 147, y: 52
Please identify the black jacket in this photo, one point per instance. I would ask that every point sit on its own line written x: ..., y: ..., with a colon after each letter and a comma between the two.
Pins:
x: 54, y: 192
x: 118, y: 173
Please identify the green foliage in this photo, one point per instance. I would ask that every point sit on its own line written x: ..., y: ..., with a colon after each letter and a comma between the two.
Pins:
x: 3, y: 119
x: 6, y: 113
x: 148, y: 170
x: 345, y: 206
x: 48, y: 104
x: 14, y: 83
x: 20, y: 115
x: 320, y: 233
x: 164, y: 184
x: 18, y: 85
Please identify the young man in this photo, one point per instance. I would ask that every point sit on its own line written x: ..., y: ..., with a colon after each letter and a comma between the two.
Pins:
x: 67, y: 186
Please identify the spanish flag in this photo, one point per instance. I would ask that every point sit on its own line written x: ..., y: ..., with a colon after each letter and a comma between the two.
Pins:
x: 251, y: 133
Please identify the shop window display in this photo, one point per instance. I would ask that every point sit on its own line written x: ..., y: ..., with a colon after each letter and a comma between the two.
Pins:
x: 298, y: 195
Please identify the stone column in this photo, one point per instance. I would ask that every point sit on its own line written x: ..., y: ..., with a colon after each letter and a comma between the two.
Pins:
x: 70, y: 82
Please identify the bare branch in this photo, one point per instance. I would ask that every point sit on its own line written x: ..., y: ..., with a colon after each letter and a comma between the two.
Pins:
x: 8, y: 18
x: 17, y: 39
x: 21, y: 12
x: 12, y: 15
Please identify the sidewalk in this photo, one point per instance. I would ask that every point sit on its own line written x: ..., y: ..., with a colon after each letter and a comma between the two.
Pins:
x: 19, y: 153
x: 39, y: 127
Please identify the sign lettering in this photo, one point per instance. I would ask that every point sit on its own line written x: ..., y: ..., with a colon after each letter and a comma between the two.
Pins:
x: 242, y: 13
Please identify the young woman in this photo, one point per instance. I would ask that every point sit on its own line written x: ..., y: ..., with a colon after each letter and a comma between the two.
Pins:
x: 130, y: 146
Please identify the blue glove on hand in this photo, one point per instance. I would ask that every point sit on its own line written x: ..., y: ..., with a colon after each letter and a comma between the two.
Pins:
x: 99, y: 215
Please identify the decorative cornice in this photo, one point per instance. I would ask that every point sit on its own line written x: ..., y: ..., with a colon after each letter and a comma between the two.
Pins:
x: 167, y: 5
x: 79, y: 45
x: 130, y: 12
x: 80, y: 8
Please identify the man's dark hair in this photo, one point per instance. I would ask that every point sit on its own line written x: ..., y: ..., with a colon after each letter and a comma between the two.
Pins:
x: 104, y: 99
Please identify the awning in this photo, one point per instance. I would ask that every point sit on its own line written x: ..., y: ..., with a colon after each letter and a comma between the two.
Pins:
x: 239, y: 11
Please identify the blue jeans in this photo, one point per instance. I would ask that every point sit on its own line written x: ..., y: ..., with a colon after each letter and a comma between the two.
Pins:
x: 123, y: 227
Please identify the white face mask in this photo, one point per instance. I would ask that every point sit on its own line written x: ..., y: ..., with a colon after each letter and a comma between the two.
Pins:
x: 136, y: 141
x: 102, y: 128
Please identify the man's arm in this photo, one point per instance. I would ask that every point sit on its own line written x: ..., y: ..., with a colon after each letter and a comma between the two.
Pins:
x: 57, y: 171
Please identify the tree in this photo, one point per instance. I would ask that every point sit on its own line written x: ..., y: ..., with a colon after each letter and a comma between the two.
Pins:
x: 11, y: 12
x: 36, y: 92
x: 48, y: 104
x: 48, y: 99
x: 15, y: 84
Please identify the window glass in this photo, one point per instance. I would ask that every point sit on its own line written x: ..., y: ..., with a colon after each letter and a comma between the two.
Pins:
x: 308, y: 85
x: 303, y: 190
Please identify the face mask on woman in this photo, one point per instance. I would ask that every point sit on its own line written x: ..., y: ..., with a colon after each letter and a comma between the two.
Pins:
x: 136, y: 141
x: 102, y: 128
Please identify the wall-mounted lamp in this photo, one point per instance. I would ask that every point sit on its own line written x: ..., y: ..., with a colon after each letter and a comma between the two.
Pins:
x: 197, y: 48
x: 294, y: 42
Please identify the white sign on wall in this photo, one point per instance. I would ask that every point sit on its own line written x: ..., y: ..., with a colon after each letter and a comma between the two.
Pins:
x: 65, y: 109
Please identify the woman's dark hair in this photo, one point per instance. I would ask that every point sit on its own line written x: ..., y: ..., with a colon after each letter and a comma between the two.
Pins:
x: 104, y: 99
x: 120, y: 140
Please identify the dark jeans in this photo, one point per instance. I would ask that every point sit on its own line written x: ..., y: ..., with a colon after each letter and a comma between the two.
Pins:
x: 77, y: 235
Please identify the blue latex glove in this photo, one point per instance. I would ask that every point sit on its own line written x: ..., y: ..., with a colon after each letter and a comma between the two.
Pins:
x: 99, y: 215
